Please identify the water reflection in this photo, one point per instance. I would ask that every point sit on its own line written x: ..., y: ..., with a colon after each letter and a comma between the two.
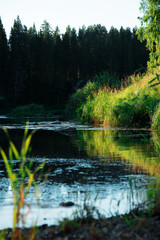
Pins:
x: 131, y: 147
x: 90, y: 162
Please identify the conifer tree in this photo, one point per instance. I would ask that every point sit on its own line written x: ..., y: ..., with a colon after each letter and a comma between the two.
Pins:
x: 3, y: 61
x: 46, y: 82
x: 46, y: 67
x: 18, y: 60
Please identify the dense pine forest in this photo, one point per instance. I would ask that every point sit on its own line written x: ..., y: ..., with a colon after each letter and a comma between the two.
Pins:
x: 46, y: 67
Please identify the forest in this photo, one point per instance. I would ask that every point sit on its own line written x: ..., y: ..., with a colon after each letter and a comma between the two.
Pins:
x: 46, y: 67
x: 107, y: 82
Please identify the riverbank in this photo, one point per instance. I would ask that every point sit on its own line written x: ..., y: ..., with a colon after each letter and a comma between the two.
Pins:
x: 140, y: 227
x: 35, y: 110
x: 132, y: 226
x: 133, y: 104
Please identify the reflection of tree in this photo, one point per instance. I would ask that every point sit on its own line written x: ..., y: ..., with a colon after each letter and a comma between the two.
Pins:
x: 112, y: 144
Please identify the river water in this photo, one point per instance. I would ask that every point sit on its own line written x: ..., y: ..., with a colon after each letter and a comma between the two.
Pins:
x: 92, y: 165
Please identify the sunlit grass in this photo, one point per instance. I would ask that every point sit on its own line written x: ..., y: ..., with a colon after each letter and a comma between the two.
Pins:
x: 131, y: 104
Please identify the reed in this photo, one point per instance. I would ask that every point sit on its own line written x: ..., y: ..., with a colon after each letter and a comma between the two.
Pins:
x: 23, y: 179
x: 131, y: 104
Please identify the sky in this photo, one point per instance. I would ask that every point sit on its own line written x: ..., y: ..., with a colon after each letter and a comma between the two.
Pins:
x: 75, y: 13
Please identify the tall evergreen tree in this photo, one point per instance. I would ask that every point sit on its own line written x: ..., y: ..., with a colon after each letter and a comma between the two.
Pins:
x: 83, y: 58
x: 32, y: 83
x: 126, y: 63
x: 100, y: 50
x: 18, y: 56
x: 46, y: 67
x: 74, y: 58
x: 59, y: 73
x: 3, y: 61
x: 113, y: 49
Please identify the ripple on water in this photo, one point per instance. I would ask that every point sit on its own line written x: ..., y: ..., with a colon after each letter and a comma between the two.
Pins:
x: 76, y: 179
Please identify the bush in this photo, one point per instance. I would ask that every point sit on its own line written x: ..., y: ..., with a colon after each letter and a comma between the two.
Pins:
x: 31, y: 110
x: 156, y: 119
x: 86, y: 93
x: 130, y: 106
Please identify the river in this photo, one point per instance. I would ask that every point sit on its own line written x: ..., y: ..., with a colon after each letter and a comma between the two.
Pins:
x: 91, y: 165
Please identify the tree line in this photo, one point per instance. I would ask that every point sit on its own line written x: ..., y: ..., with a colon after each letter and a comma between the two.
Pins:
x: 46, y: 67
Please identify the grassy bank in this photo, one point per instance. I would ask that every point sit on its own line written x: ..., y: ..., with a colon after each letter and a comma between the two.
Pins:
x: 34, y: 110
x: 132, y: 103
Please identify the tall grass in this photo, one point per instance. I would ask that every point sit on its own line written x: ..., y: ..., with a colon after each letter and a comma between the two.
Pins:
x: 88, y: 92
x: 21, y: 180
x: 132, y: 104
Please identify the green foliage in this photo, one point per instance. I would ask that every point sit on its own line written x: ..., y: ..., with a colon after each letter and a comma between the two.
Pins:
x: 156, y: 119
x: 31, y: 110
x: 86, y: 94
x: 81, y: 95
x: 23, y: 179
x: 134, y: 110
x: 3, y: 234
x: 130, y: 106
x: 150, y: 29
x: 68, y: 225
x: 46, y: 66
x: 85, y: 112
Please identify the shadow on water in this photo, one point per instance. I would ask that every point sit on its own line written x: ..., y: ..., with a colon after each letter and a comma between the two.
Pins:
x: 89, y: 162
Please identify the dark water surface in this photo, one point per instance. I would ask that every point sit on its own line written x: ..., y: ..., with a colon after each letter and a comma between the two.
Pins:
x: 92, y: 164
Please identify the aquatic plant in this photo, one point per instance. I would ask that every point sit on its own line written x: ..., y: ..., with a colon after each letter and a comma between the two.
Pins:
x: 84, y: 213
x: 21, y: 178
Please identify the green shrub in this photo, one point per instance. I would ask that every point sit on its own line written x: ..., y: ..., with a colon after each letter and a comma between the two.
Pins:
x: 134, y: 111
x: 31, y: 110
x: 130, y: 106
x: 156, y: 118
x: 85, y: 112
x: 82, y: 95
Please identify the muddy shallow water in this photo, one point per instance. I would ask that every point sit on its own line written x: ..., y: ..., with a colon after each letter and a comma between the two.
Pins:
x: 89, y: 165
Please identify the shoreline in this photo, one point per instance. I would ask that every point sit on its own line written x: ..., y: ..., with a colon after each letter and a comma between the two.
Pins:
x: 134, y: 226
